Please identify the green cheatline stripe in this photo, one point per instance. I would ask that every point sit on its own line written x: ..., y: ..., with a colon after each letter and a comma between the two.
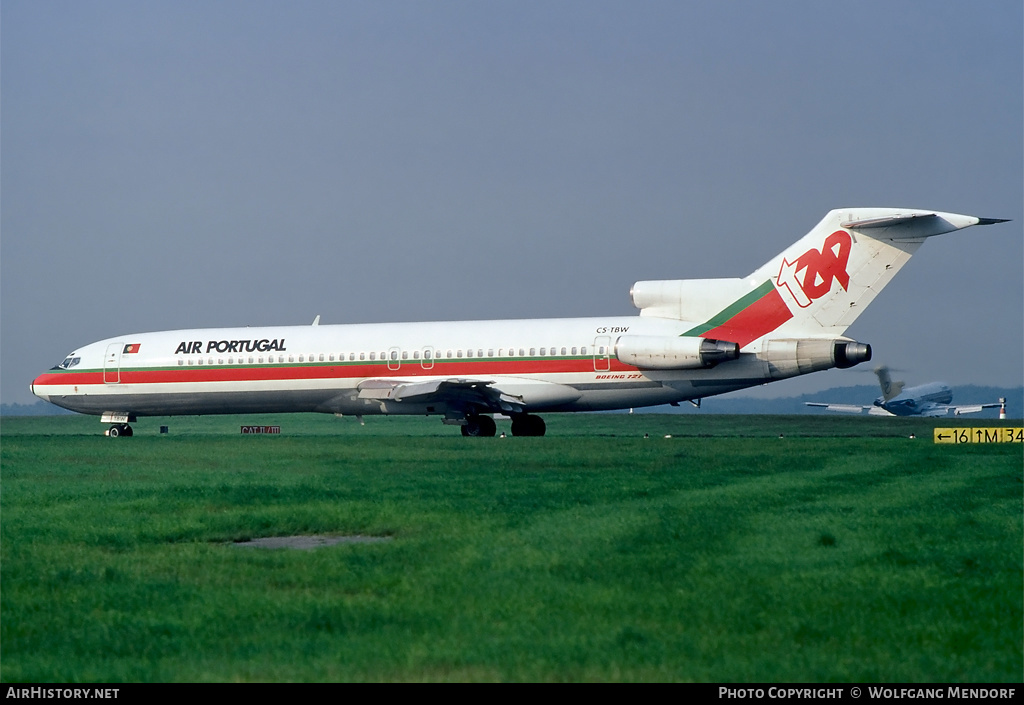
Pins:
x: 726, y: 313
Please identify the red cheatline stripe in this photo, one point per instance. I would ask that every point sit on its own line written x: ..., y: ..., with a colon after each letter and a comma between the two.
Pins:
x: 408, y: 369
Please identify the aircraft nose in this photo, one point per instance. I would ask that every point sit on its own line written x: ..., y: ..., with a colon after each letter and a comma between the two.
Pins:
x: 38, y: 392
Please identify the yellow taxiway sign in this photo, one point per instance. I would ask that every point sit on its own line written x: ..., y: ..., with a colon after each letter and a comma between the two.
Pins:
x: 979, y: 435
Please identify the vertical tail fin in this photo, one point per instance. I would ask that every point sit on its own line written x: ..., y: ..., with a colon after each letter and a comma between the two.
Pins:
x: 890, y: 389
x: 816, y: 288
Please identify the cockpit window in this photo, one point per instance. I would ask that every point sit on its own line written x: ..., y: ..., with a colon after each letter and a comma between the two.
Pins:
x: 69, y: 362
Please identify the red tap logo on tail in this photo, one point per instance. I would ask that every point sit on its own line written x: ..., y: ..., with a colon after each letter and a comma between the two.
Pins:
x: 818, y: 268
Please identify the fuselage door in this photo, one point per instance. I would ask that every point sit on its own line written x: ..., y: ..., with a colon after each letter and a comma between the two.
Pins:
x: 427, y: 362
x: 602, y: 353
x: 112, y: 363
x: 393, y: 358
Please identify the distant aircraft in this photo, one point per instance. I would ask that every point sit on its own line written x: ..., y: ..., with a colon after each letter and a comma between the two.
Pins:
x: 931, y: 399
x: 692, y: 339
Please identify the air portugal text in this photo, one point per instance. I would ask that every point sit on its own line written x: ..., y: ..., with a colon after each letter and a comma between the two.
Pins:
x: 979, y: 435
x: 191, y: 347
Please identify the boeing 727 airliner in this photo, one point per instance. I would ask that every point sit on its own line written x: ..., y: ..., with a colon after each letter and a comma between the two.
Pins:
x: 692, y: 339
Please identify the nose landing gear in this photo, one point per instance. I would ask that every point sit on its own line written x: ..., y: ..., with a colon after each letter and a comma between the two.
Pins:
x: 119, y: 429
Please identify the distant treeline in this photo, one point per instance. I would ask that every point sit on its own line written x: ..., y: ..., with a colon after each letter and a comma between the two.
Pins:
x: 731, y: 404
x: 40, y: 408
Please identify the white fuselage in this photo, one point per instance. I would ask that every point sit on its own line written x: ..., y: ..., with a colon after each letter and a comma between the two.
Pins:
x: 551, y: 364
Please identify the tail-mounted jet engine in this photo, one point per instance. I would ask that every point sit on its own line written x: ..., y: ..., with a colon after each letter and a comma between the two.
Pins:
x: 789, y: 357
x: 659, y: 352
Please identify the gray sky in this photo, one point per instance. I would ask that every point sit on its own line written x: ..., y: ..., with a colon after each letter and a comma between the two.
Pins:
x: 191, y: 164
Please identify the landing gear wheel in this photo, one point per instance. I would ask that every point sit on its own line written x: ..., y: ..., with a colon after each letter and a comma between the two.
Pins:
x: 120, y: 429
x: 527, y: 425
x: 479, y: 426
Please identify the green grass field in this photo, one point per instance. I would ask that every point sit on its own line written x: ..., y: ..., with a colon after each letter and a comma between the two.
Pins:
x: 841, y: 551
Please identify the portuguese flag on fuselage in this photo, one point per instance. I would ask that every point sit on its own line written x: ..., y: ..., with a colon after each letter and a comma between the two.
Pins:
x: 748, y: 318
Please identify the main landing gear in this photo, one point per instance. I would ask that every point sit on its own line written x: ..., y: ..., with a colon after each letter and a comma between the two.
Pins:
x: 477, y: 425
x: 522, y: 425
x: 119, y: 429
x: 527, y: 425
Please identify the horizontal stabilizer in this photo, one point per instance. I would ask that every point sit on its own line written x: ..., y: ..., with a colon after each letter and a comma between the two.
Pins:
x: 910, y: 225
x: 886, y: 221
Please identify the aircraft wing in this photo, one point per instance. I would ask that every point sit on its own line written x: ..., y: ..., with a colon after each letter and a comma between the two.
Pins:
x: 844, y: 408
x: 933, y: 410
x: 467, y: 393
x: 972, y: 408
